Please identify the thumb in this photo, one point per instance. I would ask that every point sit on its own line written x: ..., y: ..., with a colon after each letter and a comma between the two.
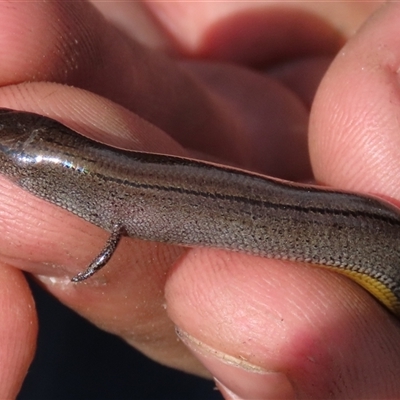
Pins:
x: 280, y: 330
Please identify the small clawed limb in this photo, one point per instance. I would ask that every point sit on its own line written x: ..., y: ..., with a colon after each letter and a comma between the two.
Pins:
x: 104, y: 256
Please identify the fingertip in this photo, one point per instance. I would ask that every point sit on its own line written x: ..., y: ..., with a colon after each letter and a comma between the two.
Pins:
x: 313, y: 329
x: 354, y: 140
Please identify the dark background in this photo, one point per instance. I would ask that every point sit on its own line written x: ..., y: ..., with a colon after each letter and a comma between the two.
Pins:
x: 76, y: 360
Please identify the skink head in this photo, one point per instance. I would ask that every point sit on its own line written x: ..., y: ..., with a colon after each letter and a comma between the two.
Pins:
x: 16, y: 134
x: 32, y: 145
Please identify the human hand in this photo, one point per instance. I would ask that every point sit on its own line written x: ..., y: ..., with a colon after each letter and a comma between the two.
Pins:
x: 296, y: 320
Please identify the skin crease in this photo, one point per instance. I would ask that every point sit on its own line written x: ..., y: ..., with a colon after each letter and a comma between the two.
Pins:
x: 319, y: 333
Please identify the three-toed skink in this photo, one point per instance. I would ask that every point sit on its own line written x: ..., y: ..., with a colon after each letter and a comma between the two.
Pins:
x: 192, y: 203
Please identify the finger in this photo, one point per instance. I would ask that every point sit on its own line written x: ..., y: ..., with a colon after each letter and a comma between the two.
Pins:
x: 260, y: 33
x: 18, y: 330
x: 268, y: 329
x: 354, y: 139
x: 271, y: 121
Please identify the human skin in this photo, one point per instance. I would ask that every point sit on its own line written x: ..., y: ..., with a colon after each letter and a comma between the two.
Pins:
x: 181, y: 80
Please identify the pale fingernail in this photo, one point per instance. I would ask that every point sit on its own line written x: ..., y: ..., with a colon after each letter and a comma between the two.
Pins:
x: 236, y: 378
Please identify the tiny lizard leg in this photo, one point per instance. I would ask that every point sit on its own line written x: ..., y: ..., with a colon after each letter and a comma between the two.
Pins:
x: 104, y: 256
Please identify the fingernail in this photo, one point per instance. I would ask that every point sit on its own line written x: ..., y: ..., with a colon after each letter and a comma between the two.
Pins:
x: 236, y: 378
